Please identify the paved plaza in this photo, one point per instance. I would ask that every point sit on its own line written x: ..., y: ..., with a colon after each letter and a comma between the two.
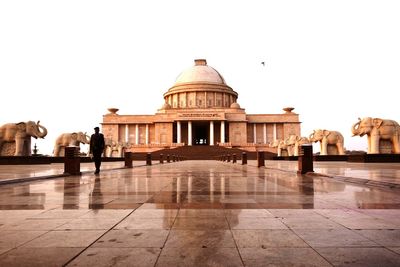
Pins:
x: 201, y: 213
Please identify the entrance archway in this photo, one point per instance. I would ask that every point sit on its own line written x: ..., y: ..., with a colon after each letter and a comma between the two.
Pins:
x: 201, y: 131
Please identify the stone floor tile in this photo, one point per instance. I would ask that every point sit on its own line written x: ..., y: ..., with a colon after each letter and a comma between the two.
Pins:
x: 89, y: 224
x: 201, y: 213
x: 133, y: 238
x: 284, y: 257
x: 200, y: 238
x: 146, y: 223
x: 190, y: 256
x: 106, y: 214
x: 154, y: 213
x: 65, y: 239
x: 389, y: 238
x: 362, y: 257
x: 200, y: 223
x: 38, y: 257
x: 240, y: 213
x: 267, y: 238
x: 36, y: 224
x: 293, y: 213
x: 12, y: 239
x: 60, y: 214
x: 255, y: 223
x: 334, y: 238
x: 310, y: 223
x: 365, y: 223
x: 140, y: 257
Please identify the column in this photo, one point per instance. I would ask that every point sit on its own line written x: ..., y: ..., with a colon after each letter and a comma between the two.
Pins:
x: 211, y: 133
x: 255, y: 133
x: 274, y: 131
x: 137, y: 134
x: 178, y: 132
x: 189, y: 133
x: 265, y: 133
x: 222, y: 132
x: 126, y: 133
x: 147, y: 134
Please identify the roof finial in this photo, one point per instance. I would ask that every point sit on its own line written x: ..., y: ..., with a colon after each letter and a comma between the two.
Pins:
x: 200, y: 62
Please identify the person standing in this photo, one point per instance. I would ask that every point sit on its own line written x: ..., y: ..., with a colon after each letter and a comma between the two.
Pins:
x: 96, y: 148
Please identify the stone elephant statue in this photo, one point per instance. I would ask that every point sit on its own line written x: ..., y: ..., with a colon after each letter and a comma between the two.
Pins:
x: 328, y: 138
x: 378, y: 130
x: 282, y: 147
x: 20, y: 134
x: 114, y: 149
x: 69, y: 139
x: 294, y: 142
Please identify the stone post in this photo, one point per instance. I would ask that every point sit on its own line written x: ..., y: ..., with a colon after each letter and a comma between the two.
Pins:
x: 161, y: 158
x: 168, y: 159
x: 148, y: 159
x: 305, y: 160
x: 234, y: 158
x: 128, y: 160
x: 72, y: 161
x: 260, y: 159
x: 244, y: 158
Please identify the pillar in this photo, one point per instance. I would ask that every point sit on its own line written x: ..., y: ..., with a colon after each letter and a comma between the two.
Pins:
x: 147, y: 134
x: 126, y: 133
x: 222, y: 132
x: 178, y: 132
x: 189, y: 133
x: 265, y: 133
x: 255, y: 133
x: 211, y: 133
x: 137, y: 134
x: 274, y: 131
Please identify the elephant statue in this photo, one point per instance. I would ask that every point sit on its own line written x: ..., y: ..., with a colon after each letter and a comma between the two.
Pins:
x: 114, y: 149
x: 69, y: 139
x: 281, y: 147
x: 378, y: 130
x: 328, y: 138
x: 20, y: 134
x: 294, y: 142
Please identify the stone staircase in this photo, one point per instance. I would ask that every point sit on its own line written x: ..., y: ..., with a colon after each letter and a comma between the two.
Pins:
x: 206, y: 153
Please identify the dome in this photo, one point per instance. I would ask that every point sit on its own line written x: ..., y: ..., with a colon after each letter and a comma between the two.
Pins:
x: 200, y: 72
x: 200, y: 86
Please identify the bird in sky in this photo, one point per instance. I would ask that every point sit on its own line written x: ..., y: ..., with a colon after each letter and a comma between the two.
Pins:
x: 263, y: 63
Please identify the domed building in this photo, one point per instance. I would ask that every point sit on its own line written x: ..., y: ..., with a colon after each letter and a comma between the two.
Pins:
x: 200, y: 109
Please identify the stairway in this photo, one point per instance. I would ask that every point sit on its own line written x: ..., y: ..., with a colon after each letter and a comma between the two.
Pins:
x: 206, y: 152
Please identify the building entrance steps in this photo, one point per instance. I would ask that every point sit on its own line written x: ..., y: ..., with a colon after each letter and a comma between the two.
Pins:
x: 192, y: 213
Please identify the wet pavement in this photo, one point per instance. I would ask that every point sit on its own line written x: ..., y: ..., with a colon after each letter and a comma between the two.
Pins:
x: 200, y: 213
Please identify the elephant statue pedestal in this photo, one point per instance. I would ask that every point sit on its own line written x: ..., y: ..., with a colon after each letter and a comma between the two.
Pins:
x: 332, y: 150
x: 9, y: 148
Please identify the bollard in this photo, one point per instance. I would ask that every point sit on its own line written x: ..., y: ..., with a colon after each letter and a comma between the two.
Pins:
x: 72, y: 161
x: 305, y: 160
x: 260, y: 159
x: 234, y: 158
x: 228, y: 158
x: 161, y: 158
x: 173, y: 158
x: 148, y: 159
x: 128, y: 160
x: 244, y: 158
x: 168, y: 159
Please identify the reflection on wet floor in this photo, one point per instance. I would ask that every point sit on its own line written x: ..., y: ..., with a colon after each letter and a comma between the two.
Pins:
x: 203, y: 213
x: 188, y: 185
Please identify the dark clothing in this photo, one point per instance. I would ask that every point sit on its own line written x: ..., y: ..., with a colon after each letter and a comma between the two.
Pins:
x: 96, y: 148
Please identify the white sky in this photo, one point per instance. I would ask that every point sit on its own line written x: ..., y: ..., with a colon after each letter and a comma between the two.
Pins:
x: 65, y: 62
